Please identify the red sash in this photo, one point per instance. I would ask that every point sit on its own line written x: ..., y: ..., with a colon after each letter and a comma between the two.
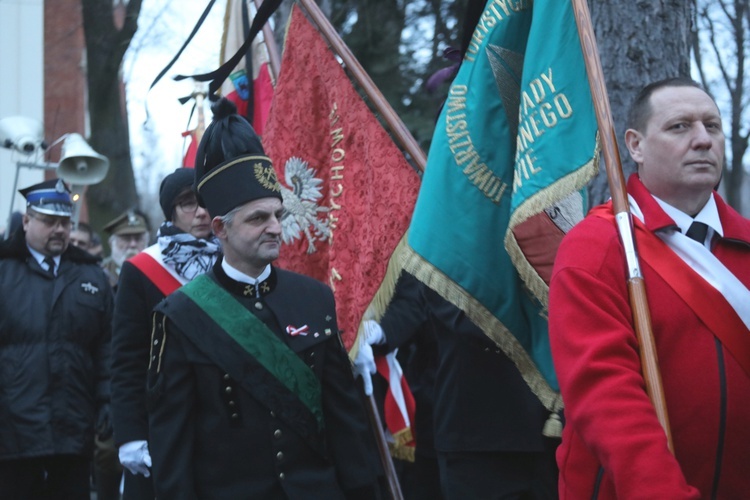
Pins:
x: 155, y: 271
x: 707, y: 302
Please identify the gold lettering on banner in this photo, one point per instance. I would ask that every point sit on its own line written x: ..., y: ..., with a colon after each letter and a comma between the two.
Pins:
x: 543, y: 107
x: 336, y: 135
x: 337, y: 169
x: 496, y: 11
x: 337, y: 157
x: 333, y: 116
x: 333, y: 277
x: 332, y: 222
x: 462, y: 147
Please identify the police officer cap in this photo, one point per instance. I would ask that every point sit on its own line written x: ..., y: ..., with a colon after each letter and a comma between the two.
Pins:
x: 130, y: 222
x: 172, y: 186
x: 50, y: 197
x: 231, y: 167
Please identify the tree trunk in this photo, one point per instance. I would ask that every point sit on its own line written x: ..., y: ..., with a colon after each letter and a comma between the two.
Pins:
x: 106, y: 43
x: 639, y: 42
x: 736, y: 83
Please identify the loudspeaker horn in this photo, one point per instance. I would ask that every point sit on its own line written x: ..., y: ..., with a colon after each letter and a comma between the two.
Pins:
x: 79, y: 163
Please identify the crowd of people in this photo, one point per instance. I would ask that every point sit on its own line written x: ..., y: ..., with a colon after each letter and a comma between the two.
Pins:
x: 187, y: 365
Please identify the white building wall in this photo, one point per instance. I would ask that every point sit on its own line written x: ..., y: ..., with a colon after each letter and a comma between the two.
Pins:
x: 21, y: 90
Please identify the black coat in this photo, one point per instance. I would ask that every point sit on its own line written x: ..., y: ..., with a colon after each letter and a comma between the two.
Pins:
x: 54, y: 352
x: 482, y: 404
x: 478, y: 399
x: 221, y: 428
x: 407, y: 327
x: 135, y: 300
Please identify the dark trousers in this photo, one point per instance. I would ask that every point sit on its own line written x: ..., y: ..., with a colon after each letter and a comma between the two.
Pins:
x: 138, y: 487
x: 57, y: 477
x: 420, y: 480
x: 107, y: 469
x: 498, y: 475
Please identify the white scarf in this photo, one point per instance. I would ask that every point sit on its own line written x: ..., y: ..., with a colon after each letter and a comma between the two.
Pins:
x: 702, y: 261
x: 187, y: 255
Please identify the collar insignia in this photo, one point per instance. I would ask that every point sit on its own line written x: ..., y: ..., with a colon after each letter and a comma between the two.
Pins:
x: 256, y: 290
x: 243, y: 289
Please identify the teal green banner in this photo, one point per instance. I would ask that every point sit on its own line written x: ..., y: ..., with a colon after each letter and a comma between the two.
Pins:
x: 516, y: 137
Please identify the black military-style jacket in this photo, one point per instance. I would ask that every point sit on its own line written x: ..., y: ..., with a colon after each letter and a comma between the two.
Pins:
x: 135, y: 300
x: 222, y: 427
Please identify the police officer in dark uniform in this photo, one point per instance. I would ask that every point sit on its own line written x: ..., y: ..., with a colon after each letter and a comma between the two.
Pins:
x: 55, y: 326
x: 251, y: 393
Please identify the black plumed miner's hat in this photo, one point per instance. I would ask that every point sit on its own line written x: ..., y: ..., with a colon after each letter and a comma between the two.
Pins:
x: 231, y: 167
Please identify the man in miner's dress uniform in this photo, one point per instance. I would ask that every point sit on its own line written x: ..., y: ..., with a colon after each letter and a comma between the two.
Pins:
x: 251, y: 394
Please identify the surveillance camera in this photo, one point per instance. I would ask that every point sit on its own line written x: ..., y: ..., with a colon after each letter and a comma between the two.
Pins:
x: 22, y: 134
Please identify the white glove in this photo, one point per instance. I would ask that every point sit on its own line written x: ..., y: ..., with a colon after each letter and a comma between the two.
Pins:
x: 373, y: 333
x: 135, y: 457
x: 364, y: 362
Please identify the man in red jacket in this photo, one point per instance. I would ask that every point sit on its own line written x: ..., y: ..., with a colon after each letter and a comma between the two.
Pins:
x: 695, y: 260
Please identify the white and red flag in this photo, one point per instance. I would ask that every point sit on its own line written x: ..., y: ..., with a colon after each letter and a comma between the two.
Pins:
x: 251, y: 93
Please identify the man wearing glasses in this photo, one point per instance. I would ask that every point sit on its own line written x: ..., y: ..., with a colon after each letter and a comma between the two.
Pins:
x: 55, y: 317
x: 184, y: 249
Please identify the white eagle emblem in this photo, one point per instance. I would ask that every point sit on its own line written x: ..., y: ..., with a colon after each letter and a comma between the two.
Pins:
x: 301, y: 210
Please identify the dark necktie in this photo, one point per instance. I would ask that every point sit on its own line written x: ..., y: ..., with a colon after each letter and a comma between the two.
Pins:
x: 50, y: 265
x: 697, y: 231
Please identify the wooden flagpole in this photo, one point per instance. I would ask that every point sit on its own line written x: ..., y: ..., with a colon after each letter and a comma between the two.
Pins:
x: 394, y: 487
x: 372, y: 410
x: 636, y: 286
x: 397, y: 127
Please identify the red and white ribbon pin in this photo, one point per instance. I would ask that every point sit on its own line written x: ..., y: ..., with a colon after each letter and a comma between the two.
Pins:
x: 297, y: 331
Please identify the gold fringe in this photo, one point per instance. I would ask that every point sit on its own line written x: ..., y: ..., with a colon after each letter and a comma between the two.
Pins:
x: 405, y: 453
x: 489, y: 324
x: 404, y: 436
x: 535, y: 204
x: 383, y: 295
